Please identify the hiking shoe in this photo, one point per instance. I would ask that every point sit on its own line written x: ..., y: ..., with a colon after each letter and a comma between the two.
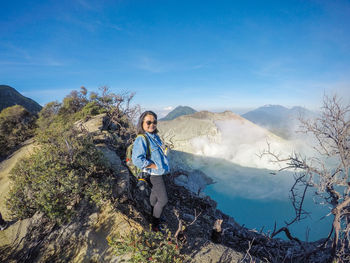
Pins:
x: 155, y: 224
x: 4, y: 226
x: 162, y: 217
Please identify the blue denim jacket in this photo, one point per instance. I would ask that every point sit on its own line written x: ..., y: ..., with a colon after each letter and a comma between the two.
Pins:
x: 158, y: 157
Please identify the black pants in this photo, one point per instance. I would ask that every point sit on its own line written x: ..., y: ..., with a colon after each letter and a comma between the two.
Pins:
x: 159, y: 197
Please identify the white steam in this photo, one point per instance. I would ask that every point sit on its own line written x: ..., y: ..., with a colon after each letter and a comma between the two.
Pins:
x: 242, y: 145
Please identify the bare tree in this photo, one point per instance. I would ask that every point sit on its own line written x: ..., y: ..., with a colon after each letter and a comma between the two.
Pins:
x: 120, y: 112
x: 328, y: 173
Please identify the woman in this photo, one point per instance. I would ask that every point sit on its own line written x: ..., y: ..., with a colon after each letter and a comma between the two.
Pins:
x: 155, y: 164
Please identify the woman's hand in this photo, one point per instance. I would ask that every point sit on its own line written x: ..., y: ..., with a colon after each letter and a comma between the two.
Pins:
x: 152, y: 166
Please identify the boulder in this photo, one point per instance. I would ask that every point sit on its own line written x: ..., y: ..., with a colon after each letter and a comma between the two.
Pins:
x: 211, y: 252
x: 94, y: 125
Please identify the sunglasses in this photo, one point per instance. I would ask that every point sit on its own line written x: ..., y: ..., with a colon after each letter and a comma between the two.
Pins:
x: 150, y: 122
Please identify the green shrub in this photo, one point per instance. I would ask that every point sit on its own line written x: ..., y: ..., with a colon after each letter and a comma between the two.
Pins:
x: 90, y: 109
x: 58, y: 176
x: 74, y: 102
x: 147, y: 246
x: 48, y: 114
x: 16, y: 125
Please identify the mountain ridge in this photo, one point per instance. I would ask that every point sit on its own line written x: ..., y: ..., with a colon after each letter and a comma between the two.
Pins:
x: 278, y: 119
x: 10, y: 97
x: 177, y: 112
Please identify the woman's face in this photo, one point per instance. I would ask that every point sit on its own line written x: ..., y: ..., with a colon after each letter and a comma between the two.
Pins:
x: 149, y: 124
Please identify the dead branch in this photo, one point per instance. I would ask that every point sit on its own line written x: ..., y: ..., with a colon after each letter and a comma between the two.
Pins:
x: 298, y: 201
x: 288, y: 234
x: 247, y: 254
x: 182, y: 225
x: 195, y: 217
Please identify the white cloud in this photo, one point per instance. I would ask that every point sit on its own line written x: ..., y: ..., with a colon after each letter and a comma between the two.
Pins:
x: 275, y: 68
x: 22, y: 57
x: 168, y: 108
x: 149, y: 61
x: 150, y: 64
x: 85, y: 4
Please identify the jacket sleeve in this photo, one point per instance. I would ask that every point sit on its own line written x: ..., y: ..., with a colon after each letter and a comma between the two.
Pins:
x: 139, y: 153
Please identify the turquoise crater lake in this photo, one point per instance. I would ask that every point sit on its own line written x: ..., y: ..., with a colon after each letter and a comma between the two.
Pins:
x: 262, y: 214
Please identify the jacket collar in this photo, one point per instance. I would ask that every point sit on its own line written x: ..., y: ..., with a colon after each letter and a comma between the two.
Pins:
x: 152, y: 135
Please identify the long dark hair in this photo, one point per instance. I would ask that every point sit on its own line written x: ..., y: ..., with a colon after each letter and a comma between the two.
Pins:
x: 140, y: 129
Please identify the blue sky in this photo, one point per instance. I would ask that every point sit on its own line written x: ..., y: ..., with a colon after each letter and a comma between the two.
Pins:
x: 213, y: 55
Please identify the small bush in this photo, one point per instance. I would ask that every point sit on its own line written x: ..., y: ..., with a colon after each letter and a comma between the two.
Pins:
x: 90, y: 109
x: 16, y: 125
x: 147, y: 246
x: 48, y: 114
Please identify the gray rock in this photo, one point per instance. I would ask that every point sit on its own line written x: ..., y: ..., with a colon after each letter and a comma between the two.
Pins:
x: 122, y: 174
x: 195, y: 181
x: 181, y: 180
x: 103, y: 136
x: 112, y: 126
x: 111, y: 156
x: 188, y: 217
x: 94, y: 125
x: 211, y: 252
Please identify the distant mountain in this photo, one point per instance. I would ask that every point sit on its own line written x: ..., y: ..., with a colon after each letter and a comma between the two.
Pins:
x: 177, y: 112
x: 278, y: 119
x: 10, y: 97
